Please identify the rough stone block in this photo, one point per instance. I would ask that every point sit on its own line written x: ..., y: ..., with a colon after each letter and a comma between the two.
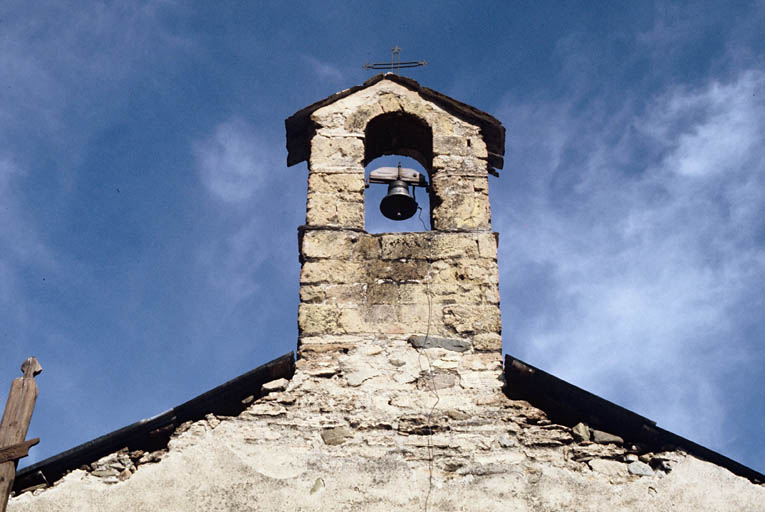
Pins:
x: 334, y: 183
x: 389, y: 103
x: 379, y: 314
x: 478, y: 147
x: 412, y: 293
x: 385, y: 292
x: 454, y: 344
x: 397, y: 270
x: 344, y: 293
x: 351, y: 321
x: 405, y: 245
x: 455, y: 245
x: 328, y: 210
x: 606, y: 438
x: 320, y: 243
x: 461, y: 207
x: 482, y: 361
x: 356, y: 122
x: 469, y: 319
x: 318, y: 319
x: 482, y: 271
x: 490, y: 294
x: 336, y: 151
x: 368, y: 247
x: 456, y: 165
x: 456, y: 292
x: 450, y: 145
x: 414, y: 317
x: 336, y: 435
x: 487, y: 245
x: 312, y: 293
x: 487, y: 341
x: 332, y: 271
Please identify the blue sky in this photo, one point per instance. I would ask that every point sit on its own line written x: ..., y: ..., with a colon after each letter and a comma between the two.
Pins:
x: 148, y: 244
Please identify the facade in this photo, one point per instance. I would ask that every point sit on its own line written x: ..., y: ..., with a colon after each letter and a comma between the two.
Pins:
x: 399, y: 397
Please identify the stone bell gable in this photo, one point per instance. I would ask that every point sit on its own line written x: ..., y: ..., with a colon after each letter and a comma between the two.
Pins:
x: 355, y: 285
x: 457, y: 145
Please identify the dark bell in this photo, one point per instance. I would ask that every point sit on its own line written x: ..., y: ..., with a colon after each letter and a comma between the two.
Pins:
x: 398, y: 204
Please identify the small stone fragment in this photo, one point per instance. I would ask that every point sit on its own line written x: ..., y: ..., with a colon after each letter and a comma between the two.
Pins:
x: 605, y: 438
x: 373, y: 351
x: 318, y: 485
x: 581, y: 432
x: 152, y: 457
x: 436, y: 381
x: 325, y: 371
x: 357, y: 378
x: 336, y: 435
x: 457, y: 415
x: 505, y: 441
x: 212, y: 420
x: 607, y: 467
x: 455, y: 344
x: 396, y: 362
x: 105, y: 472
x: 445, y: 365
x: 275, y: 385
x: 640, y: 469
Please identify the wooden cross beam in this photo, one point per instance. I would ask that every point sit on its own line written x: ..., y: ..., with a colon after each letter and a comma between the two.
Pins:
x: 13, y: 428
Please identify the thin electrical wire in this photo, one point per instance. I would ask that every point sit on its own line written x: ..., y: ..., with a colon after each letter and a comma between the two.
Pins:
x: 421, y: 353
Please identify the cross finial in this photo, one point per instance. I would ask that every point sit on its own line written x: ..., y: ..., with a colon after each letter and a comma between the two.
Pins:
x: 395, y: 52
x: 395, y: 62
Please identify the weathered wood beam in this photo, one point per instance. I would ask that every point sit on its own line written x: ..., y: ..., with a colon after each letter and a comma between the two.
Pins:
x: 15, y: 423
x: 17, y: 451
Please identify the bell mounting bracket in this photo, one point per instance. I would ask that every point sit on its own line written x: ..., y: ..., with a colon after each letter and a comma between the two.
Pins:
x: 387, y: 175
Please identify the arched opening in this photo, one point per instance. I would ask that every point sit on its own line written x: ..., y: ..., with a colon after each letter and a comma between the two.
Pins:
x: 374, y: 221
x: 392, y: 139
x: 398, y: 133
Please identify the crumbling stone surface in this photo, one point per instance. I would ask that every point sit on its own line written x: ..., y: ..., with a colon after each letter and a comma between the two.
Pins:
x: 323, y: 443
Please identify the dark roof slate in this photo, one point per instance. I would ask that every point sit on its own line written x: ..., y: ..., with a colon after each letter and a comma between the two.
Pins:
x: 568, y: 405
x: 154, y: 433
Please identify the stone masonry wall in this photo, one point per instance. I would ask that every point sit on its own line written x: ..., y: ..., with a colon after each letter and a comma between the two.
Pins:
x: 354, y: 283
x: 336, y: 165
x: 356, y: 287
x: 358, y: 437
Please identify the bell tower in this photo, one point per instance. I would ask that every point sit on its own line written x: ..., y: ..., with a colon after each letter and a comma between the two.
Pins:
x: 384, y: 292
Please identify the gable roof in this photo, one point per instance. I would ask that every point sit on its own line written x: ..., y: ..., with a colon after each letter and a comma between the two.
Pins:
x: 568, y: 405
x: 563, y: 403
x: 300, y: 128
x: 154, y: 433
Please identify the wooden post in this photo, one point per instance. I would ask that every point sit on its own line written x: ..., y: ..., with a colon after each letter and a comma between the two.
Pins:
x: 13, y: 428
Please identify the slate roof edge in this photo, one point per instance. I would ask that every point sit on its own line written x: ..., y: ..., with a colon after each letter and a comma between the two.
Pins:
x: 300, y: 128
x: 568, y: 405
x: 154, y: 433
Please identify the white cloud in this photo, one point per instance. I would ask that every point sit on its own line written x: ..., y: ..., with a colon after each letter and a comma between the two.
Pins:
x: 630, y: 242
x: 727, y: 125
x: 324, y: 71
x: 231, y: 261
x: 231, y: 161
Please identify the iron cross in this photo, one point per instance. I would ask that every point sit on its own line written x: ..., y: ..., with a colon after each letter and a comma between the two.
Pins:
x: 395, y: 62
